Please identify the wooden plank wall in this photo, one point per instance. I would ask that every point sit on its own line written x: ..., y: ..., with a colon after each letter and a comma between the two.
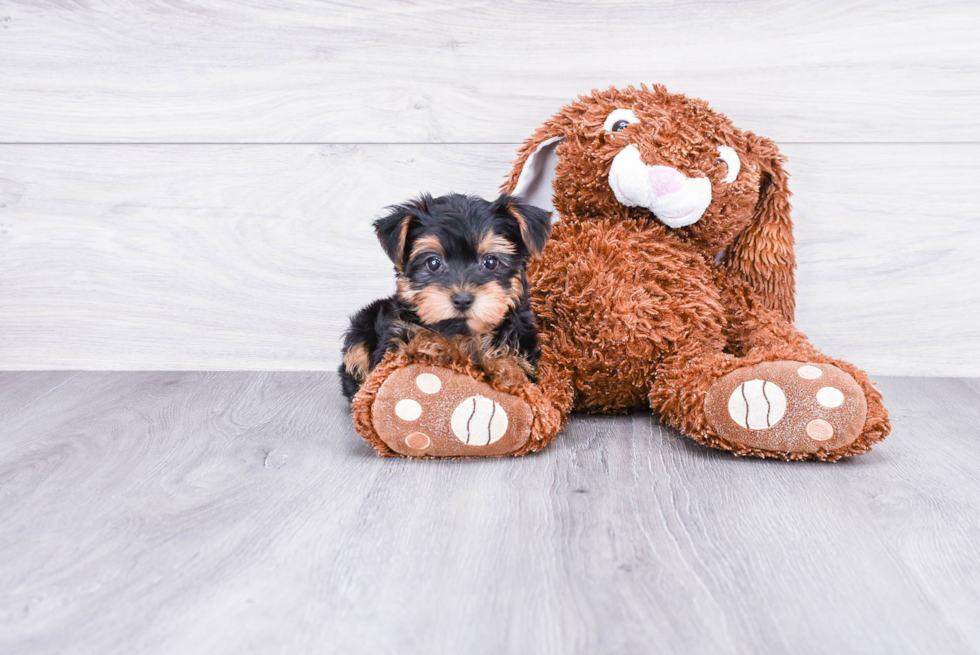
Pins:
x: 191, y: 185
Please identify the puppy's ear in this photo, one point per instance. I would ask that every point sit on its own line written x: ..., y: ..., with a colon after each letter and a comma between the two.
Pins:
x: 534, y: 223
x: 763, y: 254
x: 392, y: 229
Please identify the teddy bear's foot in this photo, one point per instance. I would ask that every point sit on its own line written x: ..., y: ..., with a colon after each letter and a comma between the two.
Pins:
x: 430, y: 411
x: 787, y: 407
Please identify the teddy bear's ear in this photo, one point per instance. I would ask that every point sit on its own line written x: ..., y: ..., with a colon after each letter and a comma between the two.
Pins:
x: 763, y: 254
x: 392, y: 229
x: 533, y: 172
x: 534, y: 223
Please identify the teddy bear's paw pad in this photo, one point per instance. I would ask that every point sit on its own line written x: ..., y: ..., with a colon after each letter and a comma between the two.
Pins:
x: 427, y: 411
x: 787, y: 407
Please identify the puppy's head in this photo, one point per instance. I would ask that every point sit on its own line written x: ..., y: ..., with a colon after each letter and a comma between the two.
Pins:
x: 461, y: 260
x: 646, y: 154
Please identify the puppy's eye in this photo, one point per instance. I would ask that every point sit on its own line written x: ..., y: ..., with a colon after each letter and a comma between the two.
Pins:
x: 490, y: 262
x: 619, y: 120
x: 730, y: 158
x: 433, y: 264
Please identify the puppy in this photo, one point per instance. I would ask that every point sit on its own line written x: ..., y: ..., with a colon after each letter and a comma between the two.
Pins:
x: 460, y: 265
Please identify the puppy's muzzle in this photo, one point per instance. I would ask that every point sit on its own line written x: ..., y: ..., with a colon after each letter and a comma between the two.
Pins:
x: 674, y: 198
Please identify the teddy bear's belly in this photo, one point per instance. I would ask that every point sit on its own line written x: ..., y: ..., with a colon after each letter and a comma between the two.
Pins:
x: 612, y: 298
x: 610, y: 344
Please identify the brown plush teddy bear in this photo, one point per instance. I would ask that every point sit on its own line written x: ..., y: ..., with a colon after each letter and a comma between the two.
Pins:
x: 668, y: 282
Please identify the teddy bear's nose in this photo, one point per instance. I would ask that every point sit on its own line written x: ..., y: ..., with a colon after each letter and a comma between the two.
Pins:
x: 664, y: 179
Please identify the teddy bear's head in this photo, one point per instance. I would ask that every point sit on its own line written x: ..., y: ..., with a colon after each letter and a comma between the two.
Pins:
x: 649, y: 155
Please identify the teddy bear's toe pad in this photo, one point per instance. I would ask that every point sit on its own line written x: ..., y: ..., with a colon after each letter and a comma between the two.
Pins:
x: 427, y: 411
x: 787, y: 407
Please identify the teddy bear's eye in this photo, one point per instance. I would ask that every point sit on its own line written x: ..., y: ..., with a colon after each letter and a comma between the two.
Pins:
x: 619, y: 120
x: 730, y: 157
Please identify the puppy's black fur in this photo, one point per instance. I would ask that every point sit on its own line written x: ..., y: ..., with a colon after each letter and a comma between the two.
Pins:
x: 460, y: 263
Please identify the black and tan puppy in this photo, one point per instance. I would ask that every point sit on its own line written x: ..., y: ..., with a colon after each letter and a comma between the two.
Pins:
x: 461, y: 266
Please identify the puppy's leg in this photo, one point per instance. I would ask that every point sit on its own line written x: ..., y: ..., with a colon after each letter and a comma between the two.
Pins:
x: 368, y: 328
x: 355, y: 368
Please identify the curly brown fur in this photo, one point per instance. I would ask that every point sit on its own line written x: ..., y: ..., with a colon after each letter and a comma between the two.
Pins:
x: 748, y: 219
x: 634, y: 312
x: 461, y: 267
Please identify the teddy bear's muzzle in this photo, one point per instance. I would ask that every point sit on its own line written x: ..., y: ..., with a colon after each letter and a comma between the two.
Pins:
x: 674, y: 198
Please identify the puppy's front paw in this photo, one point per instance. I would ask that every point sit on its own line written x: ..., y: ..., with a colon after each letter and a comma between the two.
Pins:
x: 428, y: 411
x: 787, y: 407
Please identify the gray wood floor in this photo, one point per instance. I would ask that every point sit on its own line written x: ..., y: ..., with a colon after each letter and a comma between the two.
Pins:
x: 239, y: 513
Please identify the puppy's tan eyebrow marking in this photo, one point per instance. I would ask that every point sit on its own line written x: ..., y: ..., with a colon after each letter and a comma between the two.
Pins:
x: 495, y: 243
x: 427, y: 244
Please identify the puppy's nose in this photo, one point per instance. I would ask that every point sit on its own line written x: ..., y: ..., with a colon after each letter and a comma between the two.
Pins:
x: 462, y: 300
x: 664, y: 179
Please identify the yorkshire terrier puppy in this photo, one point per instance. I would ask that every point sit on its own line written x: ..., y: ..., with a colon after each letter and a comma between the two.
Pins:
x: 460, y: 264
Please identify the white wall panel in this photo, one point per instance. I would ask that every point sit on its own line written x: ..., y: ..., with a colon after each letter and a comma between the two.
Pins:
x: 310, y: 71
x: 252, y: 257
